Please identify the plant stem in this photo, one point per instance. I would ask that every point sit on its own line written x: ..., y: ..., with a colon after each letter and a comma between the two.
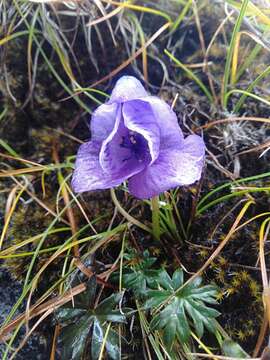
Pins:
x: 126, y: 215
x: 155, y: 217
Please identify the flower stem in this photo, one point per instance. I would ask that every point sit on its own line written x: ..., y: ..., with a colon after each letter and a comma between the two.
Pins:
x: 155, y: 217
x: 126, y: 215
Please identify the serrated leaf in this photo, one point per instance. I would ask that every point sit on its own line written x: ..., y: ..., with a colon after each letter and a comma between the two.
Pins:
x: 197, y: 319
x: 140, y: 276
x: 139, y: 279
x: 206, y: 293
x: 181, y: 307
x: 158, y: 322
x: 112, y: 345
x: 204, y: 310
x: 97, y: 339
x: 164, y: 280
x: 196, y: 282
x: 178, y: 278
x: 66, y: 316
x: 155, y: 298
x: 86, y: 299
x: 183, y: 329
x: 73, y: 338
x: 109, y: 303
x: 113, y: 316
x: 210, y: 325
x: 170, y: 333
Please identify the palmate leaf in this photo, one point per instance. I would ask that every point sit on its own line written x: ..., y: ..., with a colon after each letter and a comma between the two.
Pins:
x: 86, y: 299
x: 140, y: 276
x: 183, y: 308
x: 82, y: 324
x: 111, y: 344
x: 74, y: 337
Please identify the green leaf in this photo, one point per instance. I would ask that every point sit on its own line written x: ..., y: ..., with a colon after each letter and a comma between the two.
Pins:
x: 195, y: 283
x: 159, y: 321
x: 204, y: 310
x: 139, y: 276
x: 178, y: 278
x: 66, y: 316
x: 74, y: 337
x: 155, y: 298
x: 179, y: 309
x: 85, y: 299
x: 138, y: 280
x: 164, y: 280
x: 113, y: 316
x: 183, y: 329
x: 109, y: 303
x: 206, y: 293
x: 170, y: 333
x: 232, y: 349
x: 197, y: 319
x: 112, y: 345
x: 148, y: 261
x: 92, y: 322
x: 97, y: 339
x: 210, y: 325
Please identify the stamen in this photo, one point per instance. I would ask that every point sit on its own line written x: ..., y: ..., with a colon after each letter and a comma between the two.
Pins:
x: 134, y: 142
x: 132, y: 139
x: 124, y: 143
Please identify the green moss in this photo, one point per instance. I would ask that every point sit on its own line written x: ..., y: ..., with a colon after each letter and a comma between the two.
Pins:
x: 30, y: 220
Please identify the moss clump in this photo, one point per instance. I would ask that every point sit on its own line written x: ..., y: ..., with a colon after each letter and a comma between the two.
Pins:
x: 28, y: 221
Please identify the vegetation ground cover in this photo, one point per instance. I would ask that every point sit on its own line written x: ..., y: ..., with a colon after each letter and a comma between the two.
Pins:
x: 104, y: 275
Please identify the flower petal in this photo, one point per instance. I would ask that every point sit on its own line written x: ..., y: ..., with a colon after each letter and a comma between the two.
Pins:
x: 103, y: 121
x: 170, y: 132
x: 88, y: 174
x: 139, y: 117
x: 107, y: 159
x: 127, y: 88
x: 114, y: 159
x: 172, y: 168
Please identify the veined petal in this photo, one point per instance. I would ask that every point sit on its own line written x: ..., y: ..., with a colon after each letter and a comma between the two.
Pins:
x: 103, y: 121
x: 88, y: 174
x: 174, y: 167
x: 107, y: 158
x: 115, y: 159
x: 194, y: 146
x: 127, y: 88
x: 139, y: 117
x: 171, y: 135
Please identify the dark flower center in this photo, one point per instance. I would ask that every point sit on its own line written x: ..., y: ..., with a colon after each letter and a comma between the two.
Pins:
x: 137, y: 145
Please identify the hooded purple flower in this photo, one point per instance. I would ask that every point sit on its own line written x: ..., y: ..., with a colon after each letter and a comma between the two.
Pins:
x: 137, y: 137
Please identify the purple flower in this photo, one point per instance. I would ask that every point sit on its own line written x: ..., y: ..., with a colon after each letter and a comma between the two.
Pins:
x: 137, y: 137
